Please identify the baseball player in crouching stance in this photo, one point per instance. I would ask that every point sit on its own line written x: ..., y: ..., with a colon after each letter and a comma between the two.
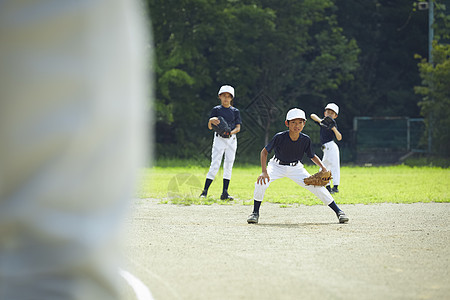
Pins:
x: 225, y: 141
x: 328, y: 131
x: 289, y: 147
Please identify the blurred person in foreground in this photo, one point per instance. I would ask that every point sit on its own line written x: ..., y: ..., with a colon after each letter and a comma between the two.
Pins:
x: 73, y: 82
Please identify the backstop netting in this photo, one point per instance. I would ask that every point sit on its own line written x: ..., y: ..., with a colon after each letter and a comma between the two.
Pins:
x: 390, y: 133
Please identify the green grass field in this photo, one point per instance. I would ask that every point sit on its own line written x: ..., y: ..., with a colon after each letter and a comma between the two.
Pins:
x: 365, y: 185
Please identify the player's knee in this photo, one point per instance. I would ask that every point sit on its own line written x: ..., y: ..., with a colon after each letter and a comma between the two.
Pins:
x: 261, y: 186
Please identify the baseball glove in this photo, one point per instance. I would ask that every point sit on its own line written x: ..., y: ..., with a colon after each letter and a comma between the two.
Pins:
x: 319, y: 179
x: 328, y: 122
x: 222, y: 129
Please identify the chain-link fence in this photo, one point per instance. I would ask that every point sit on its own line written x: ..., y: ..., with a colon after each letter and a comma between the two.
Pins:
x: 387, y: 139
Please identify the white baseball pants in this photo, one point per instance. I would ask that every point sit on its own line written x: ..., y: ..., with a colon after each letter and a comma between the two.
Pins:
x: 331, y: 161
x: 220, y: 147
x: 297, y: 174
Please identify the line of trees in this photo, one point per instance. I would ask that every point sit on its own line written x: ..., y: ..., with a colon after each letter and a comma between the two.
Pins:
x: 303, y: 53
x: 435, y: 85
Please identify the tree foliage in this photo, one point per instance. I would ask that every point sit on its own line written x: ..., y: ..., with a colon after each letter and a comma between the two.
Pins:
x: 435, y: 87
x: 389, y: 34
x: 304, y: 53
x: 290, y: 49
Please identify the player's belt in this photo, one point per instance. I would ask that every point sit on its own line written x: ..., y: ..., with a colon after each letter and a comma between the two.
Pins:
x: 284, y: 163
x: 224, y: 137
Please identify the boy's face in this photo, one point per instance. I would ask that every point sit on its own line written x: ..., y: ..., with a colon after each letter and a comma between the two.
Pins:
x: 225, y: 99
x: 295, y: 125
x: 330, y: 113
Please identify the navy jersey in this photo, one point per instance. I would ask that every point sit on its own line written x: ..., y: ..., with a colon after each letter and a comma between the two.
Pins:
x: 230, y: 114
x: 326, y: 135
x: 288, y: 150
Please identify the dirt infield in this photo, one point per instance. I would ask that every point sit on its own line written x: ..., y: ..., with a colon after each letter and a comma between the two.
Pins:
x: 386, y: 251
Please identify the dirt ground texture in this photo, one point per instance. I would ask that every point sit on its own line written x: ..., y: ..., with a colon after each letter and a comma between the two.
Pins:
x: 386, y: 251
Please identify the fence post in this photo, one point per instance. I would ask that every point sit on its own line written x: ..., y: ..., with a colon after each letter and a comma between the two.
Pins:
x: 408, y: 134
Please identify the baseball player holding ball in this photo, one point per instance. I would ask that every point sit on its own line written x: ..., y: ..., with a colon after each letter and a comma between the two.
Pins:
x: 289, y: 147
x: 225, y: 120
x: 329, y: 131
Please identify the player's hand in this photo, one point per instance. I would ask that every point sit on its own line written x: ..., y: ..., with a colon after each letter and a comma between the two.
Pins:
x: 324, y: 169
x: 262, y: 178
x: 215, y: 121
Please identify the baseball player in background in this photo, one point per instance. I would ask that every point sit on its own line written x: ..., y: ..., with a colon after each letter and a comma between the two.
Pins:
x: 330, y: 149
x: 289, y: 147
x: 223, y: 145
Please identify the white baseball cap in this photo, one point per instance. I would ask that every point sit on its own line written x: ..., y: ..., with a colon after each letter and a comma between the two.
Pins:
x: 333, y: 107
x: 295, y: 113
x: 226, y: 89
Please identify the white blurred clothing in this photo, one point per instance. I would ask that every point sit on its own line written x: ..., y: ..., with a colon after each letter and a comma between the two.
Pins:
x: 73, y: 82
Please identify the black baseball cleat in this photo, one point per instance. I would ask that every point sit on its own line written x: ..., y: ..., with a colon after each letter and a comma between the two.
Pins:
x: 253, y: 218
x: 342, y: 217
x: 203, y: 194
x: 334, y: 190
x: 225, y: 196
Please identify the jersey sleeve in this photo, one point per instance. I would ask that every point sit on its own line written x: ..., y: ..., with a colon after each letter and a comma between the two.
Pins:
x: 269, y: 147
x: 237, y: 119
x: 213, y: 113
